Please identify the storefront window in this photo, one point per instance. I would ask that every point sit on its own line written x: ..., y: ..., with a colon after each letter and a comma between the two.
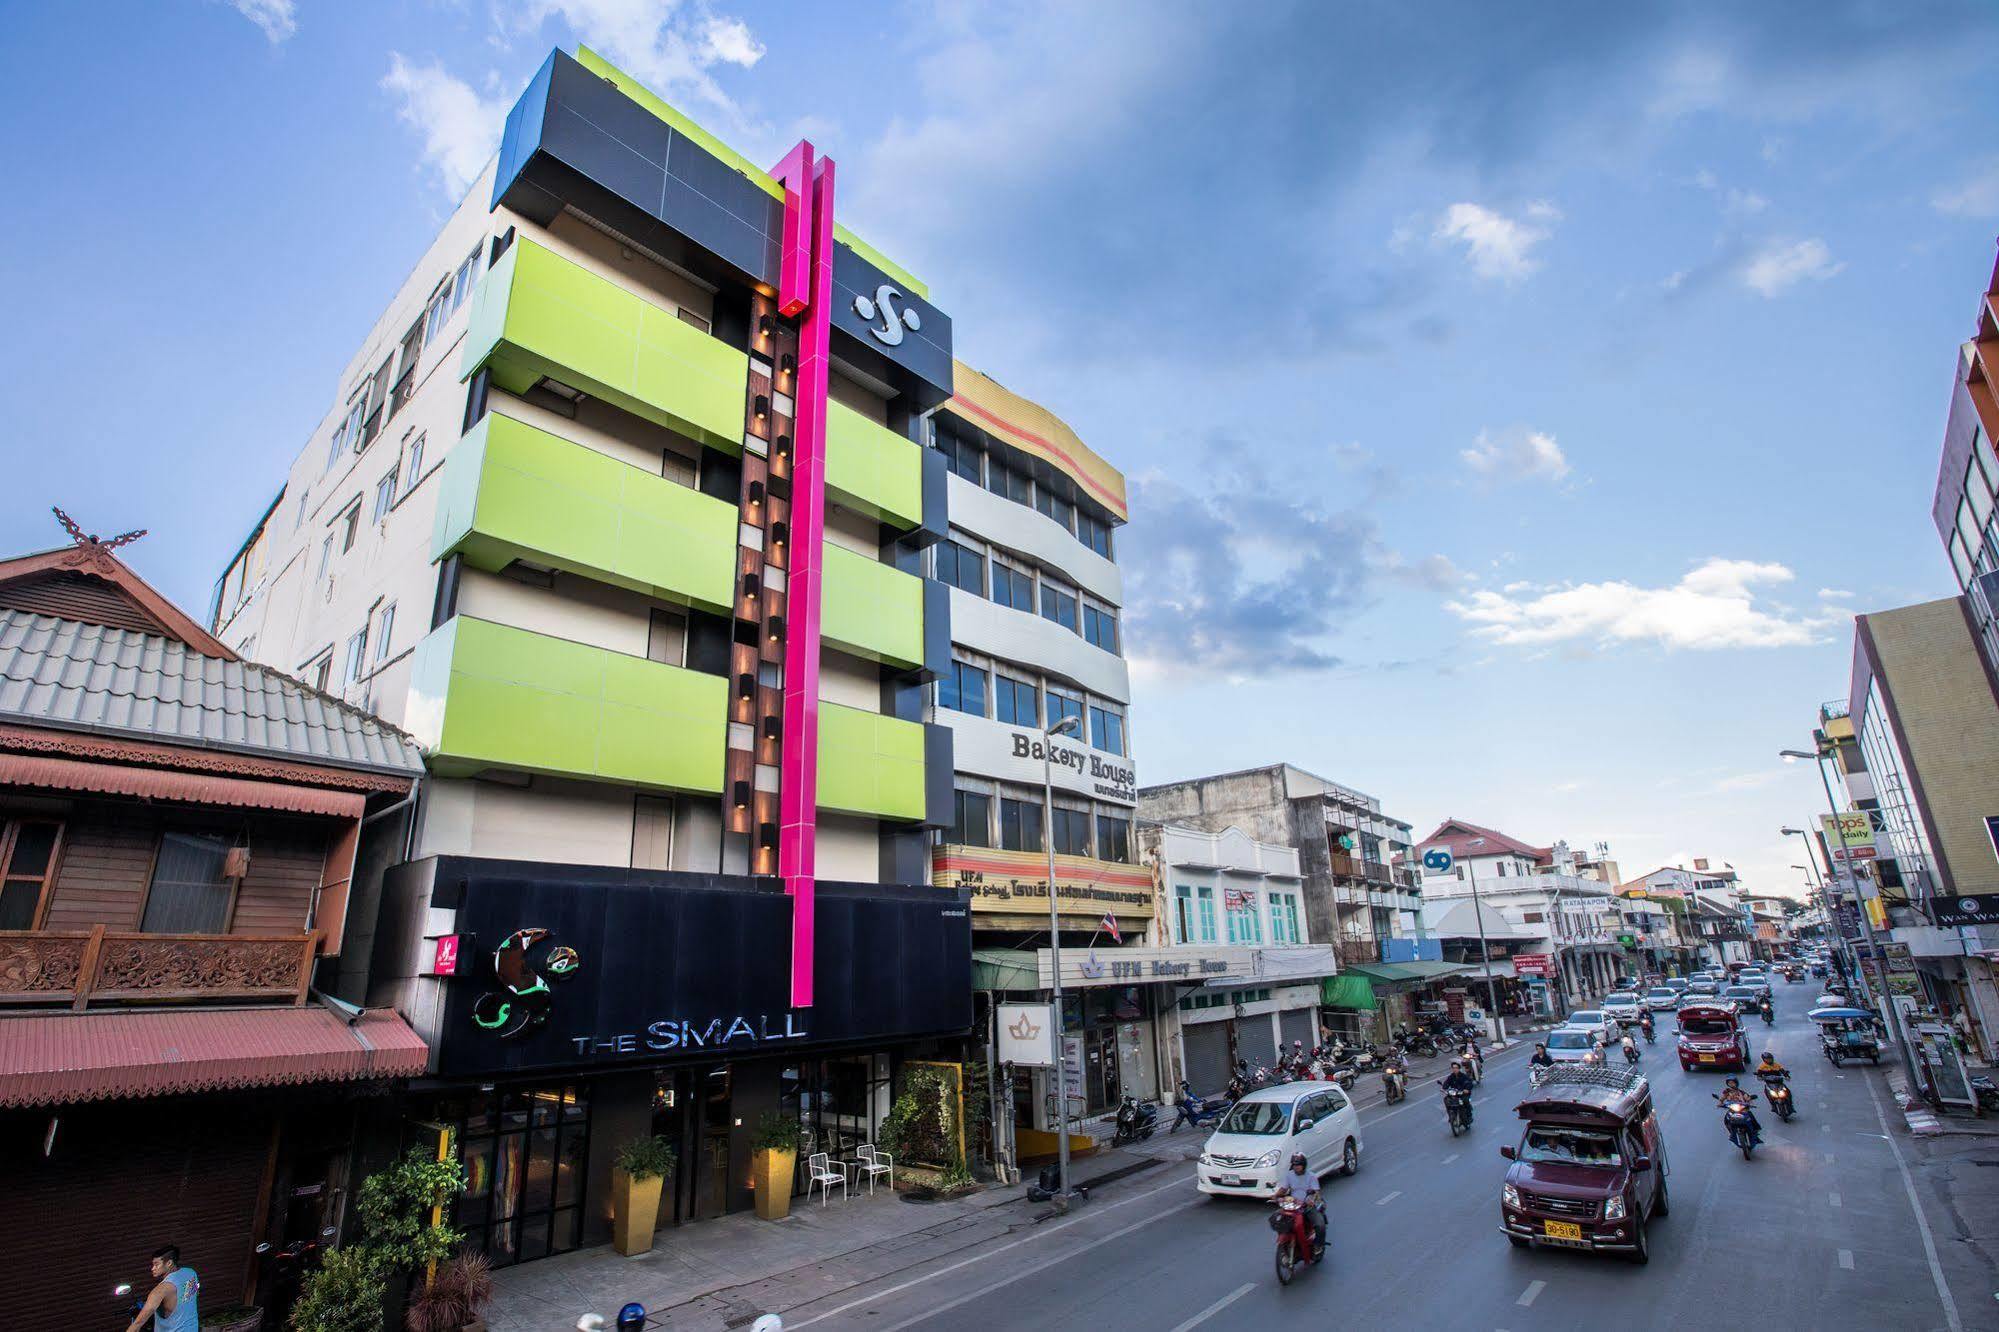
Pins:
x: 840, y: 1104
x: 1194, y: 913
x: 525, y: 1151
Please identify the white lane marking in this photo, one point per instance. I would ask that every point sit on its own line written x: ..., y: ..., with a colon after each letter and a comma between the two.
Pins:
x: 1834, y: 1196
x: 1181, y: 1182
x: 1828, y: 1158
x: 1825, y: 1128
x: 1452, y: 1157
x: 1529, y: 1295
x: 1922, y: 1222
x: 1846, y: 1259
x: 1383, y: 1202
x: 1215, y: 1308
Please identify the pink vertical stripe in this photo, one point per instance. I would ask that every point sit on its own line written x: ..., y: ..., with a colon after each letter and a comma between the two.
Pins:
x: 794, y: 263
x: 798, y: 765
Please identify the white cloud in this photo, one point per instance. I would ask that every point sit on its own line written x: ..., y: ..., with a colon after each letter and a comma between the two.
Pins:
x: 1499, y: 246
x: 1976, y: 196
x: 1516, y: 455
x: 1834, y: 594
x: 664, y: 44
x: 1781, y: 264
x: 1735, y: 202
x: 729, y: 41
x: 1713, y: 606
x: 460, y: 128
x: 277, y: 18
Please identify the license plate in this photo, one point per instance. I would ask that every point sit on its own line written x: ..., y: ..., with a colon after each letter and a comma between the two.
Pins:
x: 1707, y: 1059
x: 1562, y: 1230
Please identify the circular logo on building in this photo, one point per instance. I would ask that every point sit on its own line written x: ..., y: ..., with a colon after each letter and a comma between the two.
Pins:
x: 1437, y: 860
x: 523, y: 1001
x: 1968, y: 905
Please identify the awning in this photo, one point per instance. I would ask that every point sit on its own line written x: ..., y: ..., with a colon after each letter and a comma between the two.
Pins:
x: 1399, y: 976
x: 58, y: 1058
x: 65, y: 774
x: 1349, y: 989
x: 1005, y: 969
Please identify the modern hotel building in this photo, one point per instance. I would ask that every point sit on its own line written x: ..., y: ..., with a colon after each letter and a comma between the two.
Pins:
x: 656, y: 508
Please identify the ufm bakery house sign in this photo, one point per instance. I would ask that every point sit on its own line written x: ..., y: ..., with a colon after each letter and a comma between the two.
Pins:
x: 1015, y: 884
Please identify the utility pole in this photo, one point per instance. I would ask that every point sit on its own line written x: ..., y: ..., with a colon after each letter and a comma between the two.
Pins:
x: 1048, y: 734
x: 1485, y: 953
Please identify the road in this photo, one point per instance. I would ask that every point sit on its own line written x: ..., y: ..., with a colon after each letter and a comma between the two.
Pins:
x: 1820, y: 1227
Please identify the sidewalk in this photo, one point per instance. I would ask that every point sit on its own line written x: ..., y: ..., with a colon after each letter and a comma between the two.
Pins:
x: 1926, y: 1123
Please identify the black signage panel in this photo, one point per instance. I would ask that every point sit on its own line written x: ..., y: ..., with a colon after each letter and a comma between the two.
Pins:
x: 1982, y: 909
x: 568, y: 966
x: 892, y: 325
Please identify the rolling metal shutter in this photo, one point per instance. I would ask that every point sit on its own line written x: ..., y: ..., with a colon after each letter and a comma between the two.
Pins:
x: 1206, y: 1045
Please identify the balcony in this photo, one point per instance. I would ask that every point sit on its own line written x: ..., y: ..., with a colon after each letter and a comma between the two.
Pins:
x: 871, y: 609
x: 1376, y: 871
x: 871, y: 469
x: 536, y: 313
x: 1357, y: 950
x: 510, y: 491
x: 485, y: 695
x: 100, y: 966
x: 870, y: 764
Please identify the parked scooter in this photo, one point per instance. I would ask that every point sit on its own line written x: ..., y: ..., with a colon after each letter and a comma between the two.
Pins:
x: 1135, y: 1122
x: 1198, y: 1111
x: 1987, y: 1090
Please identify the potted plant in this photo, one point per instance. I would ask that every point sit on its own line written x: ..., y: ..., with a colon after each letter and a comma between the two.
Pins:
x: 773, y: 1158
x: 232, y: 1318
x: 637, y: 1172
x: 455, y: 1297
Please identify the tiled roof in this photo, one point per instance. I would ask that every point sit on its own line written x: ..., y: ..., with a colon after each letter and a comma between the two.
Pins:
x: 86, y: 677
x: 1457, y: 834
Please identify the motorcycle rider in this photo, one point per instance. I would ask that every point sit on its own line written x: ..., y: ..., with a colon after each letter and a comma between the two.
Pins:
x: 1541, y: 1058
x: 1473, y: 1061
x: 1300, y: 1182
x: 1733, y: 1095
x: 1395, y: 1076
x: 1459, y: 1079
x: 1645, y: 1025
x: 1766, y: 1009
x: 1630, y: 1047
x: 1768, y: 1067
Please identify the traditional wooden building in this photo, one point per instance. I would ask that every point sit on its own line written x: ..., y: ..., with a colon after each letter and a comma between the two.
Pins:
x: 179, y: 830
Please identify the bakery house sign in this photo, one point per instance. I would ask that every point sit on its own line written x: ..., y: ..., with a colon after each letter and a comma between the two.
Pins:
x: 1108, y: 775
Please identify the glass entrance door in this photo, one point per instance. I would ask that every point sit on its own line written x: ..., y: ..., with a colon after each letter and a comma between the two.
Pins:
x: 525, y: 1152
x: 711, y: 1179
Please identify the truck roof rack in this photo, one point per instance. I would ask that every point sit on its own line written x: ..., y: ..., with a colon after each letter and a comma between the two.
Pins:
x: 1592, y: 1075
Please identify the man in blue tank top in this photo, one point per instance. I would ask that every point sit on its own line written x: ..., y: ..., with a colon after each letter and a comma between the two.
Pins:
x: 172, y: 1303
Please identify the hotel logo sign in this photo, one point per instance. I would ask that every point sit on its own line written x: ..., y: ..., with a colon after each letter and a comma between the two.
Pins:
x: 893, y: 321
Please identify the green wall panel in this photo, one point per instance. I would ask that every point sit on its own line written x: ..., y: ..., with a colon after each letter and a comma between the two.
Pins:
x: 871, y: 609
x: 873, y: 469
x: 537, y: 313
x: 486, y: 695
x: 869, y: 764
x: 513, y: 491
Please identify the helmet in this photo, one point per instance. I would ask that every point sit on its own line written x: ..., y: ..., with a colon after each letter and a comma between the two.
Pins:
x: 1297, y: 1160
x: 1732, y: 1082
x: 1767, y: 1059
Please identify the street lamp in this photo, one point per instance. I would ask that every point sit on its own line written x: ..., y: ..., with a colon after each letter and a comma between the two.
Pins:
x: 1066, y: 725
x: 1484, y: 953
x: 1817, y: 757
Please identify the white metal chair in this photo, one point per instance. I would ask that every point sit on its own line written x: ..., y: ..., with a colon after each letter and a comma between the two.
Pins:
x: 872, y: 1163
x: 826, y: 1172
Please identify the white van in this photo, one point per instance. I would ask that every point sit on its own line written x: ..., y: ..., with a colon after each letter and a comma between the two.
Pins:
x: 1252, y: 1146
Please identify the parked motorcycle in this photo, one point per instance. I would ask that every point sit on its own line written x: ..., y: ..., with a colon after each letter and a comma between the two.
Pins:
x: 1741, y: 1125
x: 1987, y: 1090
x: 1296, y: 1246
x: 1135, y: 1122
x: 1777, y: 1091
x: 1457, y: 1109
x: 1197, y: 1111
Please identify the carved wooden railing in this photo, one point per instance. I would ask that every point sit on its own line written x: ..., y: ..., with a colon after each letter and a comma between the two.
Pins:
x: 123, y: 967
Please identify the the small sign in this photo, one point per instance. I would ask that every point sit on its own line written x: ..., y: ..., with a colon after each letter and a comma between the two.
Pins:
x: 444, y: 960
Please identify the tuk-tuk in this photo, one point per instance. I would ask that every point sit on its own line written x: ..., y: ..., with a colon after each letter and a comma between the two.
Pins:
x: 1590, y: 1169
x: 1847, y: 1033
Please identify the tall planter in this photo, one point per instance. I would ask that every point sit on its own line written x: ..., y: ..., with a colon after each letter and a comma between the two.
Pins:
x: 634, y: 1212
x: 772, y: 1170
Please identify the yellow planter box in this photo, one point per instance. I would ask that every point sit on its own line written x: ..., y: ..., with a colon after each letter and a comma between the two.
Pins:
x: 634, y: 1212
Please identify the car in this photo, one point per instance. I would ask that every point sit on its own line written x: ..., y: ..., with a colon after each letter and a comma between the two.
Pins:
x: 1700, y: 991
x: 1711, y: 1036
x: 1593, y: 1020
x: 1677, y: 984
x: 1747, y: 996
x: 1623, y: 1009
x: 1252, y: 1146
x: 1625, y: 983
x: 1570, y: 1045
x: 1589, y: 1171
x: 1662, y: 999
x: 1758, y: 980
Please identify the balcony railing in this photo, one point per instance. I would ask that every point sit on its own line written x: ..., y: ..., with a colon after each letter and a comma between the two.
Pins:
x: 1376, y: 871
x: 1345, y: 866
x: 102, y: 966
x: 1358, y: 950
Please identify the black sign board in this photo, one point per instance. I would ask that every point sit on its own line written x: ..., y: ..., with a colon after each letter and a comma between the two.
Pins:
x: 570, y: 966
x: 1951, y: 911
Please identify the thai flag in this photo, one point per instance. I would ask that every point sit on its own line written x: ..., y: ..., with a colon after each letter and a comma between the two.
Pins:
x: 1109, y: 926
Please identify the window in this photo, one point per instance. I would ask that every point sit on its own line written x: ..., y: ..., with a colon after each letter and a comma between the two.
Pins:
x: 320, y: 672
x: 357, y: 656
x: 462, y: 280
x: 1094, y: 533
x: 666, y: 637
x: 961, y: 567
x: 1020, y: 824
x: 1194, y: 913
x: 1284, y: 919
x: 1107, y: 730
x: 1977, y: 494
x: 1959, y: 561
x: 1244, y: 925
x: 1061, y: 705
x: 972, y: 819
x: 963, y: 690
x: 1072, y: 832
x: 1012, y: 587
x: 412, y: 468
x: 189, y: 894
x: 1114, y: 838
x: 961, y: 456
x: 1052, y: 504
x: 350, y: 523
x: 325, y: 557
x: 1100, y: 628
x: 385, y: 496
x: 27, y: 866
x: 652, y: 832
x: 1981, y: 449
x: 1059, y: 606
x: 385, y: 627
x: 1008, y: 481
x: 680, y: 469
x: 299, y: 521
x: 1016, y: 702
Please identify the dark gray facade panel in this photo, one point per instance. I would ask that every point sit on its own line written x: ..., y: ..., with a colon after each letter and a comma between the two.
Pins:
x: 936, y: 629
x: 939, y: 779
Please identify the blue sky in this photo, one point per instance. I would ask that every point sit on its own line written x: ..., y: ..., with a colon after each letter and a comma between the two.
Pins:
x: 1519, y: 400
